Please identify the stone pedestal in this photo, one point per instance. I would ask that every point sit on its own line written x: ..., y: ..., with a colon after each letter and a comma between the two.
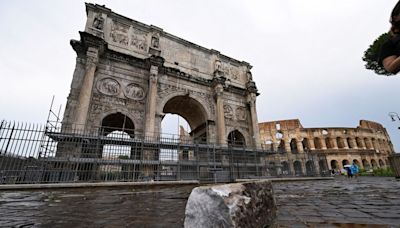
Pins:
x: 249, y: 204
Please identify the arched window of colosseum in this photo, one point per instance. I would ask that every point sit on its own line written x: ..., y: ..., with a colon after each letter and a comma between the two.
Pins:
x: 345, y: 162
x: 355, y: 161
x: 285, y: 168
x: 365, y: 164
x: 328, y: 143
x: 350, y: 143
x: 293, y: 146
x: 281, y: 146
x: 374, y: 164
x: 340, y: 142
x: 310, y: 168
x: 367, y: 143
x: 359, y: 143
x: 323, y: 166
x: 305, y: 143
x: 272, y: 169
x: 381, y: 163
x: 334, y: 164
x: 317, y: 143
x: 297, y: 168
x: 373, y: 141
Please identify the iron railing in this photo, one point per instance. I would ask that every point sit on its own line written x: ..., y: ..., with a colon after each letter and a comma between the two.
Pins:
x: 32, y: 153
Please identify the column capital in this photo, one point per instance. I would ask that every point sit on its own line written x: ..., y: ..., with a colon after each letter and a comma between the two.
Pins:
x: 92, y: 57
x: 251, y: 98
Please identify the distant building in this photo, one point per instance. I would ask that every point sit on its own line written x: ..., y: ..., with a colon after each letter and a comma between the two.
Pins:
x: 368, y: 145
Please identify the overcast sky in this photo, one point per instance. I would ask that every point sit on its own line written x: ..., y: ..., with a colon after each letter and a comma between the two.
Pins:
x: 306, y: 55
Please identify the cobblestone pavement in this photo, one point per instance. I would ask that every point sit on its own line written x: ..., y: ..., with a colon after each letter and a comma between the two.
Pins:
x: 358, y: 202
x: 96, y: 207
x: 370, y: 201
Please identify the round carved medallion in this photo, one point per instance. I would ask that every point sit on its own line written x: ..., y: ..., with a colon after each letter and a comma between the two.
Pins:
x: 108, y: 86
x: 241, y: 113
x: 134, y: 92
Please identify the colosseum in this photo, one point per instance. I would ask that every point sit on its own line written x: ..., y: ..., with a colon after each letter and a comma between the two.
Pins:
x: 368, y: 145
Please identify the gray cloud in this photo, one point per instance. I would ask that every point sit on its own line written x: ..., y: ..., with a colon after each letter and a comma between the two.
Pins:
x: 306, y: 54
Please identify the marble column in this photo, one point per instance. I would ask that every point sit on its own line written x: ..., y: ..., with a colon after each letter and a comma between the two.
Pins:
x: 254, y: 120
x: 151, y: 102
x: 86, y: 90
x: 219, y: 90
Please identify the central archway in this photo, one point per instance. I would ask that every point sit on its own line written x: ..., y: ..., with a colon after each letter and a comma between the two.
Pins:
x: 193, y: 112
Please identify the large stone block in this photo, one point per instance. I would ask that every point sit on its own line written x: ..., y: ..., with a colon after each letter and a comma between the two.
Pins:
x: 249, y: 204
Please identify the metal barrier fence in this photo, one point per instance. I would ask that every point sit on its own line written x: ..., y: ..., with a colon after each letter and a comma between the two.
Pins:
x: 31, y: 153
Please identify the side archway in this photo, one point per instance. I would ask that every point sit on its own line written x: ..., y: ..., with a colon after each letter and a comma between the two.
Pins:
x: 235, y: 138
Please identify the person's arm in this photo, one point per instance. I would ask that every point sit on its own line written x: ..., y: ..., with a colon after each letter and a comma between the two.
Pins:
x: 392, y: 64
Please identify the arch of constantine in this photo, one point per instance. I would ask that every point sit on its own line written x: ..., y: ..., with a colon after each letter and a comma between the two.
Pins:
x: 368, y: 145
x: 129, y: 75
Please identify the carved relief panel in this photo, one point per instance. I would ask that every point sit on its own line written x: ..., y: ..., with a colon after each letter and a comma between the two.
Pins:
x: 138, y: 40
x: 232, y: 72
x: 129, y: 37
x: 112, y: 87
x: 119, y: 33
x: 237, y: 113
x: 228, y: 111
x: 108, y: 86
x: 134, y: 92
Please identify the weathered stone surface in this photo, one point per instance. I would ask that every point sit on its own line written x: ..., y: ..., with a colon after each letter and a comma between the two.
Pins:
x: 368, y: 145
x: 249, y: 204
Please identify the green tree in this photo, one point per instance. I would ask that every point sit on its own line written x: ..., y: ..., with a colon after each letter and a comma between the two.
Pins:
x: 371, y: 55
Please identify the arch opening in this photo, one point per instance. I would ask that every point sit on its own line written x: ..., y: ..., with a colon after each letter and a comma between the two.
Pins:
x: 305, y: 143
x: 374, y: 163
x: 365, y: 164
x: 310, y: 168
x: 118, y: 129
x: 345, y: 162
x: 340, y: 142
x: 293, y: 146
x: 192, y: 112
x: 381, y: 163
x: 285, y: 168
x: 235, y: 138
x: 117, y: 122
x: 334, y: 164
x: 297, y: 168
x: 317, y: 143
x: 359, y: 143
x: 328, y: 143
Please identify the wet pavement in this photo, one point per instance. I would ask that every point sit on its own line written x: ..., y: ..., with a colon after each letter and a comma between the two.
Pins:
x: 361, y: 202
x: 358, y: 202
x: 96, y: 207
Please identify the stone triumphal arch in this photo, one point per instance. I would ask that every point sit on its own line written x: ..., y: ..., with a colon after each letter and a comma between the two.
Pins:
x: 128, y: 75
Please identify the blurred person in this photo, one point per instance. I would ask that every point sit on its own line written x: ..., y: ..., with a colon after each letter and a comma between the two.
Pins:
x: 389, y: 55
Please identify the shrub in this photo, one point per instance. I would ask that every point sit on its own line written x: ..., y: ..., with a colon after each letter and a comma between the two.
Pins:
x: 372, y: 53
